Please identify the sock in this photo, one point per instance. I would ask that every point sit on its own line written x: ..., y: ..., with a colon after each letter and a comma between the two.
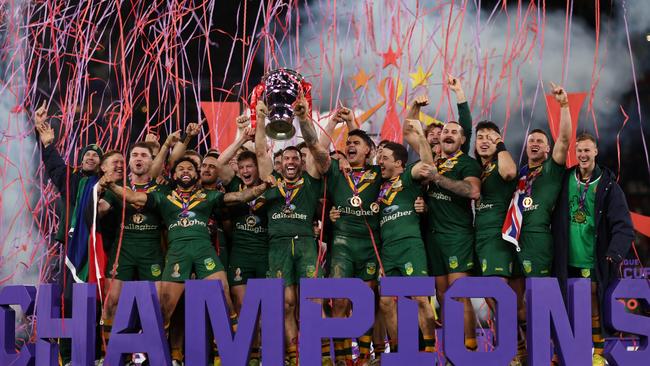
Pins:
x: 177, y: 354
x: 364, y: 345
x: 470, y: 343
x: 325, y: 348
x: 234, y: 320
x: 339, y: 347
x: 430, y: 343
x: 597, y: 336
x: 521, y: 339
x: 379, y: 349
x: 347, y: 348
x: 255, y: 353
x: 107, y: 326
x: 291, y: 352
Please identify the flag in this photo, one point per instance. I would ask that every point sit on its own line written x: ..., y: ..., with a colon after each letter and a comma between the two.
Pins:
x: 512, y: 225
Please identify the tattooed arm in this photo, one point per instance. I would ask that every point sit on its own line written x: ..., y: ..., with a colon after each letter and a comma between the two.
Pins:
x: 320, y: 155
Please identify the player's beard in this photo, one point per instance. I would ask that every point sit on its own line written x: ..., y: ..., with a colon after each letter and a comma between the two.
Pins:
x: 185, y: 185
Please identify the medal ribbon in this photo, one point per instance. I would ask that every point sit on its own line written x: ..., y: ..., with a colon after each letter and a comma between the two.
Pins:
x: 354, y: 178
x: 385, y: 188
x: 441, y: 163
x: 184, y: 199
x: 488, y: 167
x: 291, y: 190
x: 531, y: 175
x: 583, y: 192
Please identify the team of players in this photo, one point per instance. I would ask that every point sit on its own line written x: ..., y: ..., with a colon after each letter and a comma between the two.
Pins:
x: 270, y: 208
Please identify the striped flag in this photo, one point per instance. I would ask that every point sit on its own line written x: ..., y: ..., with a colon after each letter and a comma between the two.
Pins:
x: 512, y: 225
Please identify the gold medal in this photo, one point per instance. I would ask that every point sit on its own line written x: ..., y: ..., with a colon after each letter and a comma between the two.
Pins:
x: 356, y: 201
x: 287, y: 210
x: 137, y: 218
x: 374, y: 207
x: 580, y: 216
x: 528, y: 201
x: 251, y: 220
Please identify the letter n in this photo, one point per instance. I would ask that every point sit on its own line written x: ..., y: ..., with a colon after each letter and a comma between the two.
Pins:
x: 571, y: 332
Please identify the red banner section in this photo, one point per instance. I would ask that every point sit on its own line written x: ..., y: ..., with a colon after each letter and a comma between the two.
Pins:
x: 221, y: 122
x: 553, y: 113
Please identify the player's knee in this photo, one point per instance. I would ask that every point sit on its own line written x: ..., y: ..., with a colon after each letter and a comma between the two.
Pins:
x: 386, y: 304
x: 289, y: 306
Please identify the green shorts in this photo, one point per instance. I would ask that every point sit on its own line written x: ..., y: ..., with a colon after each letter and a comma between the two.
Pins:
x: 353, y: 257
x: 246, y: 266
x: 495, y: 255
x: 186, y: 257
x: 404, y: 258
x: 536, y: 256
x: 575, y: 272
x: 136, y: 262
x: 451, y: 253
x: 293, y: 258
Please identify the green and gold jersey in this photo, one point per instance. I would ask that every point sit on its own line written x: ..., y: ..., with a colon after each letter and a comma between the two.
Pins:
x: 186, y: 219
x: 250, y: 223
x: 450, y: 213
x: 545, y: 189
x: 398, y: 219
x: 291, y: 207
x: 142, y: 226
x: 582, y: 224
x: 496, y: 194
x: 355, y: 213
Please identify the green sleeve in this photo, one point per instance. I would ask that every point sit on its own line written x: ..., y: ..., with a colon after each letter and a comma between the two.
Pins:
x: 153, y: 200
x: 334, y: 169
x: 233, y: 185
x: 407, y: 176
x: 217, y: 199
x: 472, y: 169
x: 111, y: 198
x: 553, y: 169
x: 465, y: 120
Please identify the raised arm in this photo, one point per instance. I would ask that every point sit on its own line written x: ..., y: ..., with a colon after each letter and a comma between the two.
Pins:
x: 414, y: 136
x: 158, y: 164
x: 55, y: 167
x: 342, y: 114
x: 264, y: 160
x: 464, y: 114
x: 414, y: 110
x: 248, y: 194
x: 321, y: 156
x: 561, y: 146
x: 507, y: 166
x: 226, y: 173
x: 191, y: 130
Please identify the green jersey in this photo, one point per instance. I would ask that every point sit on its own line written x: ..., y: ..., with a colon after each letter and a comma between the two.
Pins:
x: 450, y: 213
x: 365, y: 184
x: 496, y: 194
x: 545, y: 188
x: 291, y: 207
x: 582, y: 226
x: 186, y: 219
x: 398, y: 220
x: 142, y: 226
x: 249, y: 222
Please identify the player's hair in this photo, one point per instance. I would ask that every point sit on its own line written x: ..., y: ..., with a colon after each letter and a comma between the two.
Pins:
x: 277, y: 153
x: 538, y: 130
x: 431, y: 126
x: 399, y: 152
x: 292, y: 148
x: 487, y: 125
x: 383, y: 143
x: 192, y: 153
x: 364, y: 136
x: 247, y: 155
x: 143, y: 145
x: 586, y: 136
x: 301, y: 145
x: 184, y: 158
x: 211, y: 154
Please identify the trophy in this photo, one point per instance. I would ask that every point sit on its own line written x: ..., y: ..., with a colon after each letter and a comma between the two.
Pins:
x: 279, y: 89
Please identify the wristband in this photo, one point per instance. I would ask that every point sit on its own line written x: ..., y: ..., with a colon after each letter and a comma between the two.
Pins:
x: 562, y: 105
x: 501, y: 147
